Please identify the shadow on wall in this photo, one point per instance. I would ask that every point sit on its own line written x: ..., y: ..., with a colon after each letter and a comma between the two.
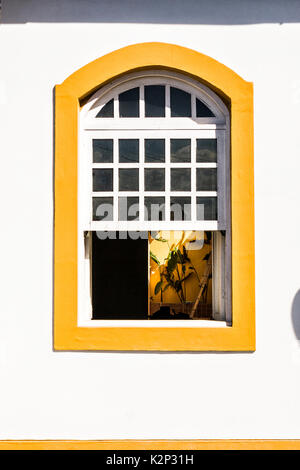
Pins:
x: 223, y: 12
x: 296, y: 315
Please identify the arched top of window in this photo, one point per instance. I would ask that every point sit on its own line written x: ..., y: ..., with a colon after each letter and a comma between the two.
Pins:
x: 156, y: 98
x: 158, y: 141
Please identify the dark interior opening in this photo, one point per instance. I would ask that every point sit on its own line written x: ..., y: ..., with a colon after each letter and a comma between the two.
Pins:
x: 119, y: 277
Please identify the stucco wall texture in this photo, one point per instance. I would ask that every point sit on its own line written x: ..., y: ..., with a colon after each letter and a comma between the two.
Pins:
x: 96, y: 395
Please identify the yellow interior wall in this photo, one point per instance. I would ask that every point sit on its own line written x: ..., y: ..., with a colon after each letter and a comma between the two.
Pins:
x: 161, y: 250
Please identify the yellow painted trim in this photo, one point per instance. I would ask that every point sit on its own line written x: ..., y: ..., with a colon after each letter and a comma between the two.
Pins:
x: 237, y: 92
x: 189, y: 445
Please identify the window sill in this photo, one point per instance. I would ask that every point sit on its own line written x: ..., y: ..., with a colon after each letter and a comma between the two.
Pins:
x: 153, y: 324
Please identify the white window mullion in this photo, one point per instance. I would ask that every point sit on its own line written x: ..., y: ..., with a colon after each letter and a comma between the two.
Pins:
x: 207, y: 193
x: 193, y: 180
x: 218, y: 290
x: 141, y: 179
x: 206, y: 165
x: 84, y: 199
x: 142, y: 102
x: 103, y: 193
x: 167, y: 178
x: 115, y: 178
x: 168, y: 102
x: 194, y: 111
x: 221, y: 175
x: 183, y: 165
x: 116, y: 107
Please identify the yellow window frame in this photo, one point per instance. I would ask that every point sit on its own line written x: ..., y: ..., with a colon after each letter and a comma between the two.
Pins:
x: 68, y: 98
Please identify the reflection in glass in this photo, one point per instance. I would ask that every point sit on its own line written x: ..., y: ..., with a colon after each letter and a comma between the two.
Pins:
x: 207, y: 208
x: 180, y: 275
x: 154, y: 179
x: 206, y: 179
x: 155, y: 101
x: 154, y: 150
x: 128, y: 150
x: 128, y: 179
x: 180, y: 103
x: 154, y: 208
x: 102, y: 208
x: 129, y: 103
x: 180, y: 208
x: 180, y: 150
x: 102, y: 150
x: 202, y: 110
x: 102, y: 179
x: 107, y: 111
x: 206, y: 150
x: 128, y: 208
x: 180, y: 179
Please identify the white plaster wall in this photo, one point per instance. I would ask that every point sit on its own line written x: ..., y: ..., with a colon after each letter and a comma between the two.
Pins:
x: 57, y: 395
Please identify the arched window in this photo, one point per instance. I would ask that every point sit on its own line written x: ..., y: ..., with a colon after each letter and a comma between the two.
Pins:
x: 124, y: 278
x: 154, y: 201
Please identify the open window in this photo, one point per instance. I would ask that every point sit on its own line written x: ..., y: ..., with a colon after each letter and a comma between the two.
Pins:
x: 154, y: 239
x: 153, y: 160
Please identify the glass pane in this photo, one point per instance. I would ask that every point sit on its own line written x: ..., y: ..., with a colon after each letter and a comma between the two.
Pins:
x: 180, y: 103
x: 129, y: 208
x: 128, y: 179
x: 154, y: 179
x: 154, y: 208
x: 155, y: 101
x: 180, y: 150
x: 180, y: 208
x: 129, y: 103
x: 207, y: 208
x: 206, y: 179
x: 180, y: 284
x: 180, y: 179
x: 154, y: 150
x: 202, y: 110
x: 119, y: 276
x: 102, y: 179
x: 102, y: 208
x: 128, y: 150
x: 206, y: 150
x: 107, y: 111
x: 102, y: 150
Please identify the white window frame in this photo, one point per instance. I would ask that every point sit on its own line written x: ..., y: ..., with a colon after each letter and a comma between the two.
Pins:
x: 168, y: 127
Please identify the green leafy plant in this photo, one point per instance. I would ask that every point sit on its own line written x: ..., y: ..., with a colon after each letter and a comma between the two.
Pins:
x: 173, y: 272
x: 177, y: 269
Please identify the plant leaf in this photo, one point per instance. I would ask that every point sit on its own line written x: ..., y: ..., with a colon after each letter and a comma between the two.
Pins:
x: 154, y: 258
x: 172, y: 262
x: 187, y: 276
x: 158, y: 287
x: 185, y: 255
x: 180, y: 257
x: 161, y: 240
x: 207, y: 239
x: 178, y: 286
x: 166, y: 287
